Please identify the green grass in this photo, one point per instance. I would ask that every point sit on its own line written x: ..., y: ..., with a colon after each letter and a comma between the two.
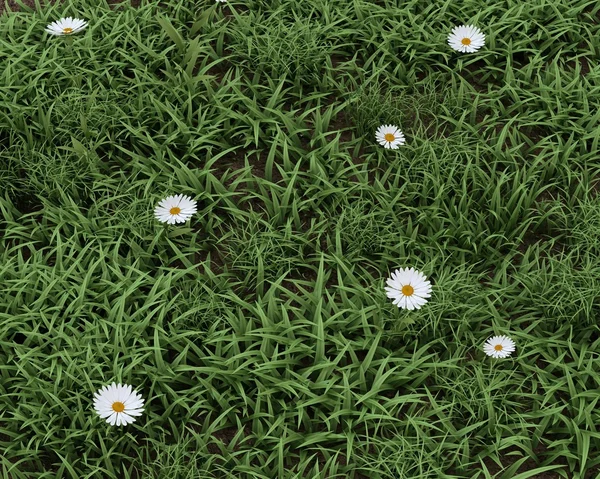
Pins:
x: 259, y: 333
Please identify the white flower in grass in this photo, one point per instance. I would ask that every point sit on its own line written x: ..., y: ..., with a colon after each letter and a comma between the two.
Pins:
x: 175, y: 209
x: 66, y: 26
x: 408, y: 288
x: 118, y: 404
x: 466, y: 39
x: 222, y: 1
x: 389, y: 136
x: 499, y: 346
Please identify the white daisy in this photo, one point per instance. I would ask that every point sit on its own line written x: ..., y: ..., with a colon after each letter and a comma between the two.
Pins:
x: 175, y: 209
x: 222, y: 1
x: 389, y: 136
x: 118, y: 404
x: 66, y: 26
x: 408, y: 288
x: 499, y: 346
x: 466, y: 39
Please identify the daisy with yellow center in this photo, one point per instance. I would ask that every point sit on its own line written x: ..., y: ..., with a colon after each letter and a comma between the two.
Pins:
x: 66, y: 26
x: 499, y: 346
x: 466, y: 39
x: 389, y: 136
x: 408, y: 288
x: 118, y: 404
x: 175, y: 209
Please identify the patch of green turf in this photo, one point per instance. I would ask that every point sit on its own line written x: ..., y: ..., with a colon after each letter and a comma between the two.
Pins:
x: 259, y: 332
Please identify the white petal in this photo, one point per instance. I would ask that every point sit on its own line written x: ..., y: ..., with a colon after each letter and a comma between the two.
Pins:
x: 112, y: 419
x: 126, y: 418
x: 105, y: 412
x: 119, y: 419
x: 124, y: 393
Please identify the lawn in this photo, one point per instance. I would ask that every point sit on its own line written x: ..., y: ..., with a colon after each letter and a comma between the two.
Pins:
x: 258, y: 331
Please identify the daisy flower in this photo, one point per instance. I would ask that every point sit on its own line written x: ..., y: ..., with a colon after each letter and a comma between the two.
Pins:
x: 175, y: 209
x: 466, y: 39
x: 499, y: 346
x: 118, y: 404
x: 66, y: 26
x: 389, y: 136
x: 408, y: 288
x: 222, y: 1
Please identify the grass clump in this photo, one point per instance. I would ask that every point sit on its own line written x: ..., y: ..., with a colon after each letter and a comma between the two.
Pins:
x: 322, y: 310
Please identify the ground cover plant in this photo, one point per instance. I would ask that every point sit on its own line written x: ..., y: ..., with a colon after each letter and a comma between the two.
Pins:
x: 318, y: 239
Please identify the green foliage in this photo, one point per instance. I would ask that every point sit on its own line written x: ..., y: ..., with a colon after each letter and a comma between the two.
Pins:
x: 259, y: 332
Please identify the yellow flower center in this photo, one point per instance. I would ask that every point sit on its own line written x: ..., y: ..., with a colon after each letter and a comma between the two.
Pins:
x: 389, y: 137
x: 466, y: 41
x: 175, y: 210
x: 498, y: 347
x: 118, y: 406
x: 67, y: 30
x: 407, y: 290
